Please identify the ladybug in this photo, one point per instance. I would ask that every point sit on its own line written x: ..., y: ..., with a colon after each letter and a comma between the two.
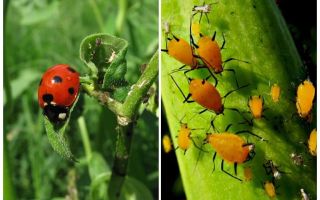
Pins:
x: 58, y: 89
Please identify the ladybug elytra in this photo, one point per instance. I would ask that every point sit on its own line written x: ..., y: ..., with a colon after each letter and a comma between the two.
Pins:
x: 58, y: 89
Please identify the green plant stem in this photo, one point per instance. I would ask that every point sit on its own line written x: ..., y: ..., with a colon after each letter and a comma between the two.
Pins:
x: 126, y: 120
x: 102, y: 97
x: 85, y: 138
x: 8, y: 188
x: 97, y: 14
x: 122, y: 10
x: 7, y: 86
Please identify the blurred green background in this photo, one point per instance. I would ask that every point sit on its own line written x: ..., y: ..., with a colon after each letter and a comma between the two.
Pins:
x: 39, y: 34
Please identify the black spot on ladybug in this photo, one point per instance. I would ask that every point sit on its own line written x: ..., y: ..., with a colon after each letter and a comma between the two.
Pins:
x: 47, y: 98
x: 71, y: 90
x: 57, y: 79
x: 71, y: 70
x: 40, y: 82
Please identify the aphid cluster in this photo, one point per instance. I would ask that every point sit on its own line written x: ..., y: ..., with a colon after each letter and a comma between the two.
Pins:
x: 203, y: 52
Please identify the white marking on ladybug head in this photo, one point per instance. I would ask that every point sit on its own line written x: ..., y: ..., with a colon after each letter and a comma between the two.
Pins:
x: 277, y: 175
x: 53, y: 103
x: 62, y: 116
x: 45, y: 104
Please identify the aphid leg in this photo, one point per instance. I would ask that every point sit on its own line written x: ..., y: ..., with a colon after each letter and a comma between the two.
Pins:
x: 228, y: 172
x: 235, y: 168
x: 227, y: 128
x: 194, y: 143
x: 203, y: 111
x: 206, y: 17
x: 185, y: 98
x: 213, y: 159
x: 185, y: 151
x: 241, y: 114
x: 230, y: 59
x: 245, y: 131
x: 224, y: 42
x: 214, y: 36
x: 234, y: 74
x: 230, y: 92
x: 212, y: 123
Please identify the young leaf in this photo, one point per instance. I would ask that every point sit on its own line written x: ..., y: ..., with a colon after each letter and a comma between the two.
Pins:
x: 105, y: 56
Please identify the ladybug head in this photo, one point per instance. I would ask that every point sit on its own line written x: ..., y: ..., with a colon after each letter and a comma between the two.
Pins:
x: 56, y: 113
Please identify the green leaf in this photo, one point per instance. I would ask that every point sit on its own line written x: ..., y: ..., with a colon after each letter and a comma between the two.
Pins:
x: 57, y: 138
x: 256, y: 32
x: 98, y: 168
x: 105, y: 56
x: 134, y: 189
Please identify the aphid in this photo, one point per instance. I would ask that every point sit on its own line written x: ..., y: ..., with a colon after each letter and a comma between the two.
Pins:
x: 185, y: 138
x: 205, y: 94
x: 166, y: 143
x: 312, y: 142
x: 205, y: 8
x: 181, y: 50
x: 304, y: 99
x: 112, y: 56
x: 297, y: 159
x: 247, y: 172
x: 304, y: 196
x: 210, y: 53
x: 270, y: 189
x: 58, y: 89
x: 275, y: 92
x: 166, y: 27
x: 231, y: 148
x: 272, y: 169
x: 255, y: 104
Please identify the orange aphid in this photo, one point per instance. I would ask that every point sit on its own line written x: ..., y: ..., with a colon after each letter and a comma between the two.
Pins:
x: 270, y: 189
x: 166, y: 143
x: 275, y: 92
x: 184, y: 140
x: 312, y: 142
x: 209, y: 51
x: 181, y: 50
x: 247, y: 172
x: 255, y: 104
x: 205, y: 94
x: 230, y: 147
x: 304, y: 99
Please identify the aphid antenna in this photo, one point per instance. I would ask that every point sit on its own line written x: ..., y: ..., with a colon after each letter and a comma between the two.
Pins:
x: 230, y: 92
x: 251, y: 133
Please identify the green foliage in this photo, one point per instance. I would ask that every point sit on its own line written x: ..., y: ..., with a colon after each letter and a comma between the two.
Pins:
x: 254, y: 32
x: 33, y: 44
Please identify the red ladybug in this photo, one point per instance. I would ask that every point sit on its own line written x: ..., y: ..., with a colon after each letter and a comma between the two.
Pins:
x: 57, y: 91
